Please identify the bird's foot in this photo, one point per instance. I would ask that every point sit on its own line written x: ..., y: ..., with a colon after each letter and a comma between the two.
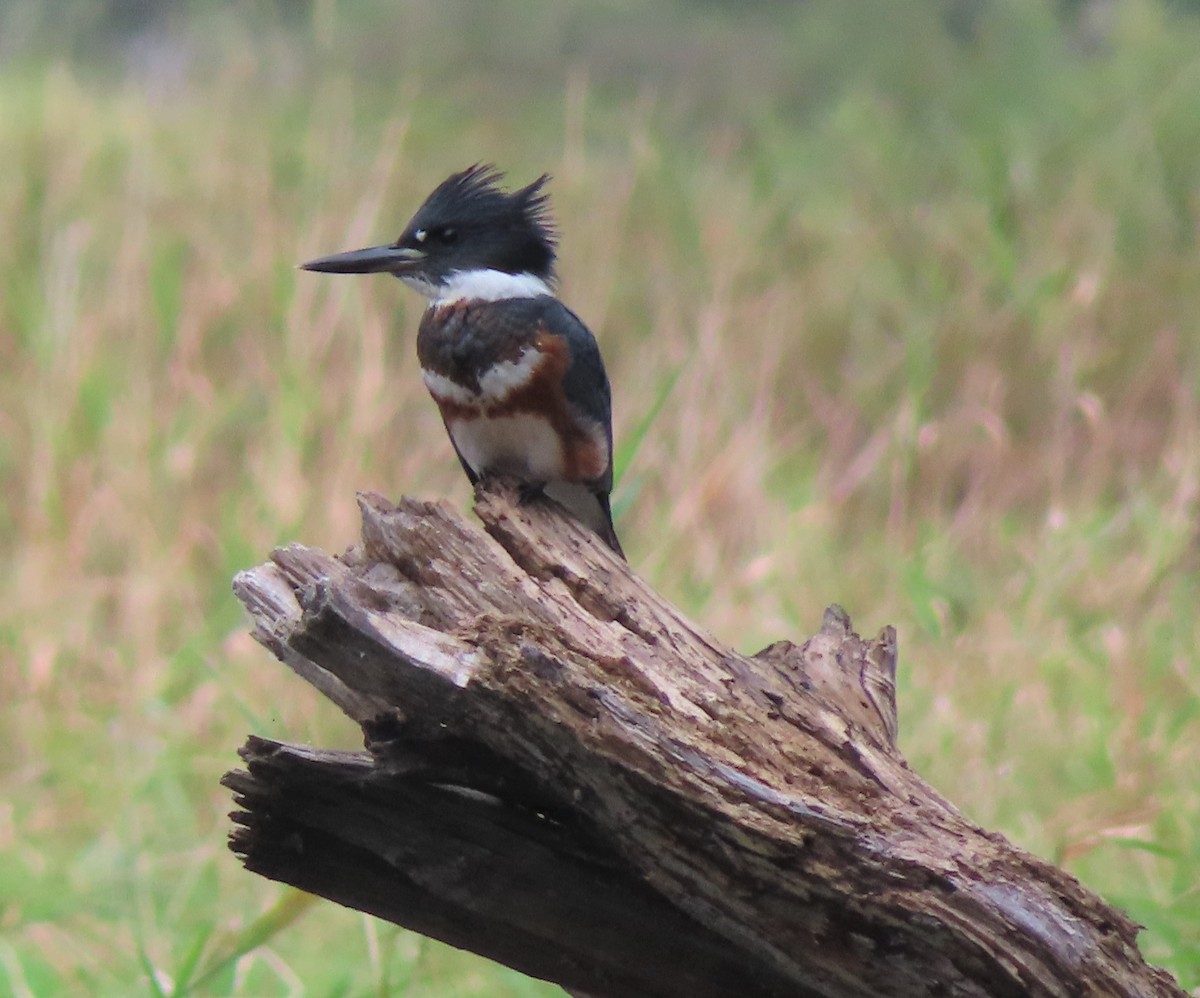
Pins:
x: 527, y: 492
x: 530, y: 492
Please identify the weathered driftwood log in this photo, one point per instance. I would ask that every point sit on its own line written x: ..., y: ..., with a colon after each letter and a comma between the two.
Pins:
x: 566, y: 776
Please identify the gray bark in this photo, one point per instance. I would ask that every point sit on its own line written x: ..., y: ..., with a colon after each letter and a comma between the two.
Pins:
x: 565, y: 775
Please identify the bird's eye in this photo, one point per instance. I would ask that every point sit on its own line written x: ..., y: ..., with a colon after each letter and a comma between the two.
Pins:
x: 446, y: 235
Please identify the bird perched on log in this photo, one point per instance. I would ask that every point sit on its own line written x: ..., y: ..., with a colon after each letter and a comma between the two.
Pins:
x: 517, y: 376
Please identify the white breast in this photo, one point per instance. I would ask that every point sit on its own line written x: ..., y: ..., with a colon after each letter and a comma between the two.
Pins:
x: 525, y: 446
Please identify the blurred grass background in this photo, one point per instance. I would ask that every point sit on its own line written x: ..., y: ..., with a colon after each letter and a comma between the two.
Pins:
x: 915, y: 286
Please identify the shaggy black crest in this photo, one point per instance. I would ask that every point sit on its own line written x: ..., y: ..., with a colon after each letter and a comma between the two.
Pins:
x: 479, y: 224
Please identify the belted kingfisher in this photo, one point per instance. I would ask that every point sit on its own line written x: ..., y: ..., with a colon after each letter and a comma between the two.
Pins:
x: 517, y: 376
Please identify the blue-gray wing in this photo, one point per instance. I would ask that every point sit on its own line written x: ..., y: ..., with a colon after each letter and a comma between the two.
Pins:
x: 586, y: 382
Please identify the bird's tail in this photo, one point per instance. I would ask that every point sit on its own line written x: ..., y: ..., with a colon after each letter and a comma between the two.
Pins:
x: 591, y: 508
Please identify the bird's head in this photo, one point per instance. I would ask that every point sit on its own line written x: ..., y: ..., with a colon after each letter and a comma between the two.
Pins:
x: 467, y: 226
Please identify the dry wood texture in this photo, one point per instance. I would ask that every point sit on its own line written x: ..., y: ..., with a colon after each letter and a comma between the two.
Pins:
x: 564, y: 774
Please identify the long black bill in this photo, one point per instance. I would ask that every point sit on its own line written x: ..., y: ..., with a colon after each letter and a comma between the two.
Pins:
x: 373, y: 260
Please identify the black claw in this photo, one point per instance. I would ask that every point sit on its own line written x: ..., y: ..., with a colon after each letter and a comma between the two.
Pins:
x: 529, y: 492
